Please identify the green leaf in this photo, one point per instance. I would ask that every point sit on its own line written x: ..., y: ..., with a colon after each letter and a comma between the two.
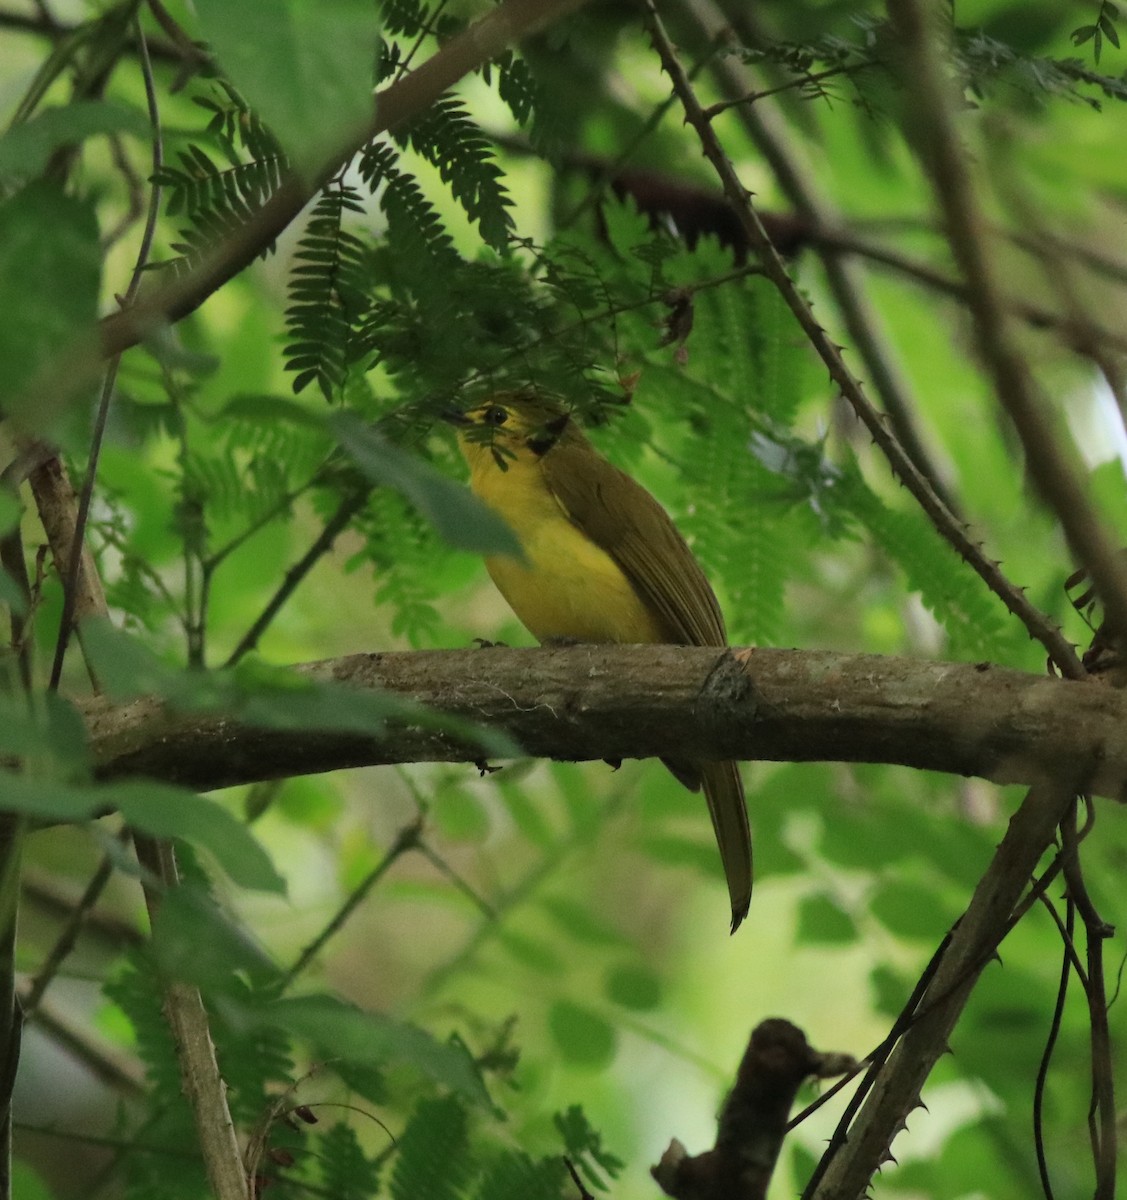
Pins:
x: 155, y: 808
x: 911, y: 910
x: 171, y: 812
x: 339, y: 1030
x: 635, y: 987
x: 25, y: 149
x: 583, y: 1037
x: 46, y: 733
x: 265, y: 696
x: 306, y: 66
x: 514, y: 1176
x: 432, y: 1155
x: 822, y: 919
x: 196, y: 942
x: 584, y: 1146
x: 50, y: 269
x: 454, y: 511
x: 26, y: 1184
x: 460, y: 815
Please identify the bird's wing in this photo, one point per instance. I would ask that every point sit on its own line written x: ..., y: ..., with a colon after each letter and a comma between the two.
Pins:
x: 623, y: 519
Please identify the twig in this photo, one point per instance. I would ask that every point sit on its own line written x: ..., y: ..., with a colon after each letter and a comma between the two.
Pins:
x: 107, y: 1063
x: 41, y: 890
x: 1051, y: 458
x: 1050, y: 1045
x: 350, y: 504
x: 192, y: 55
x: 12, y: 830
x: 406, y: 839
x: 1102, y: 1117
x: 1038, y: 625
x: 56, y: 503
x: 462, y: 885
x: 577, y: 1179
x: 1076, y: 333
x: 802, y: 81
x: 188, y: 1020
x: 482, y: 41
x: 57, y: 31
x: 67, y: 937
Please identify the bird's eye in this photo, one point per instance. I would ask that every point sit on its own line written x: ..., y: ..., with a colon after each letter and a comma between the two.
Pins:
x: 496, y: 415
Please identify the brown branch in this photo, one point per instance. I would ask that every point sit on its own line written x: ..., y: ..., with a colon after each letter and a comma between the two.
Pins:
x: 596, y: 702
x: 1049, y: 453
x: 397, y: 104
x: 775, y: 141
x: 897, y: 1089
x: 187, y: 1018
x: 57, y: 31
x: 1038, y: 625
x: 58, y: 510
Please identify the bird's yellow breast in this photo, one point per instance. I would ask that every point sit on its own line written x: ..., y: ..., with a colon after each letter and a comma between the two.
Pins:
x: 568, y: 587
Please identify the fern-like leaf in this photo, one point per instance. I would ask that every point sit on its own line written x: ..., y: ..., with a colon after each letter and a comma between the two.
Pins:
x: 432, y: 1158
x: 447, y: 137
x: 327, y: 294
x: 515, y: 1176
x: 346, y: 1171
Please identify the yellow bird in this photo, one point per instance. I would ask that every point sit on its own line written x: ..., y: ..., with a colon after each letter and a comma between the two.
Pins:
x: 602, y: 563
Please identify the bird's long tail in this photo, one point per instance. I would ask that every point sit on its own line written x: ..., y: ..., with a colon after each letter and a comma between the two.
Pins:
x: 724, y: 791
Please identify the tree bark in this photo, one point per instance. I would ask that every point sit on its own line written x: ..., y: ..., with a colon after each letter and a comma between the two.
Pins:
x: 594, y: 702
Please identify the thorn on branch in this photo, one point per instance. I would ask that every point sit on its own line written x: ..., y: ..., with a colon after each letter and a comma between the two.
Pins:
x: 753, y: 1121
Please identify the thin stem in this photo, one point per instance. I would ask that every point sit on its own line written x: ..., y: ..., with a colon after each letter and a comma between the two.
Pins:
x: 1050, y: 1046
x: 187, y: 1018
x: 1102, y: 1116
x: 714, y: 110
x: 67, y: 937
x: 406, y: 839
x: 74, y: 565
x: 350, y: 504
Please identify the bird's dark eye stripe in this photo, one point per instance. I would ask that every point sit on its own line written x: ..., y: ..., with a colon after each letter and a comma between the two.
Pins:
x: 496, y: 415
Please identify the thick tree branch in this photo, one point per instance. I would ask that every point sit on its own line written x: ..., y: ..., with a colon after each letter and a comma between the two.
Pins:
x: 594, y: 702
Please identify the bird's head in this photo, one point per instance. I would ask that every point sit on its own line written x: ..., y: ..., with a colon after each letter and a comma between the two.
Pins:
x: 512, y: 427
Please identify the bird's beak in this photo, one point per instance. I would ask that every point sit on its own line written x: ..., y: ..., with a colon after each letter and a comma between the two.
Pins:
x: 451, y: 417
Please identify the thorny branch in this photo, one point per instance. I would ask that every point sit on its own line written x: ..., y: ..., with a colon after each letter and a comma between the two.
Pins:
x: 1051, y: 458
x: 949, y: 527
